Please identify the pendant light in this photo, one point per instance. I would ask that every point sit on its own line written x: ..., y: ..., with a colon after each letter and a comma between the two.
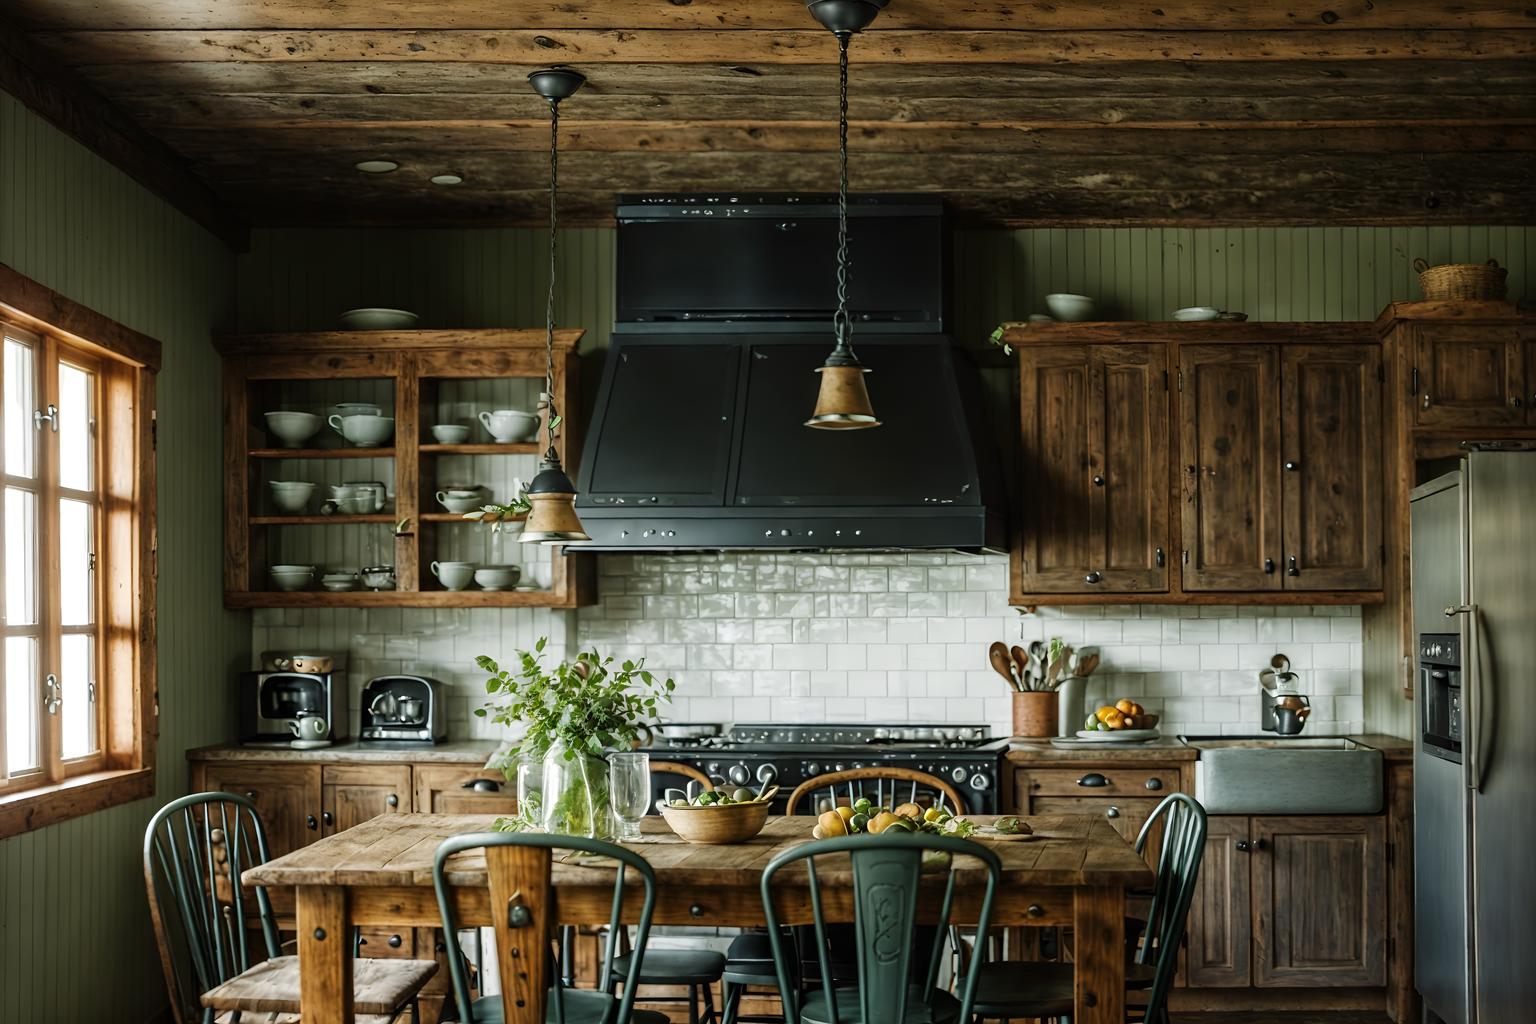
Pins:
x: 842, y: 402
x: 552, y: 515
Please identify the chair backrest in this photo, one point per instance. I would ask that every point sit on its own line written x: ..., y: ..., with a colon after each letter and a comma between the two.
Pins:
x: 1178, y: 870
x: 518, y: 866
x: 686, y: 772
x: 195, y: 850
x: 887, y: 870
x: 888, y: 786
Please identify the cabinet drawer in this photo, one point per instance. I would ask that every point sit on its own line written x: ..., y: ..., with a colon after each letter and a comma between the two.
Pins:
x: 1127, y: 816
x: 388, y: 942
x: 1111, y: 780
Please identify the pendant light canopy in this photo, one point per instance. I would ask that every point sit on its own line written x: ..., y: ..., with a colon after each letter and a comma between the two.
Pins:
x: 842, y: 402
x: 552, y: 516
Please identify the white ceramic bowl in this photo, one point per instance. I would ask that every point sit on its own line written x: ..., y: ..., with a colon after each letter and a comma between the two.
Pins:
x: 292, y: 429
x: 292, y: 577
x: 363, y: 430
x: 291, y: 495
x: 450, y: 433
x: 1069, y: 307
x: 454, y: 575
x: 339, y: 586
x: 379, y: 577
x: 497, y: 577
x: 378, y: 320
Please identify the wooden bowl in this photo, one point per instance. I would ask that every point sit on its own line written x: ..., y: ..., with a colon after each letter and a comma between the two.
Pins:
x: 717, y: 823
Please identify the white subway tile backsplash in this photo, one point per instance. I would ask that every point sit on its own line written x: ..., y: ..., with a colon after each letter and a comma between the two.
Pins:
x: 856, y: 637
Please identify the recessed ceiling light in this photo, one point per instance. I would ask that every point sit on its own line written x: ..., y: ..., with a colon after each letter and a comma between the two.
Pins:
x: 377, y: 166
x: 446, y: 179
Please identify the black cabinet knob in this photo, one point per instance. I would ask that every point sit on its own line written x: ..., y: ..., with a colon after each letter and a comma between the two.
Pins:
x: 1290, y: 567
x: 1154, y: 784
x: 1098, y: 481
x: 1112, y: 812
x: 1160, y: 559
x: 311, y: 822
x: 1241, y: 845
x: 250, y: 794
x: 1292, y: 466
x: 1034, y: 910
x: 696, y: 910
x: 1092, y: 577
x: 327, y: 817
x: 1093, y: 780
x: 393, y: 800
x: 394, y: 942
x: 1269, y: 566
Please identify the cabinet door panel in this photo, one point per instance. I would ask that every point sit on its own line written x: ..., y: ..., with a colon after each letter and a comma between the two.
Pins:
x: 1468, y: 375
x: 1229, y: 440
x: 1529, y: 337
x: 1332, y: 456
x: 1319, y: 892
x: 1132, y: 406
x: 1057, y: 543
x: 352, y: 794
x: 287, y: 798
x: 1220, y: 925
x: 447, y: 789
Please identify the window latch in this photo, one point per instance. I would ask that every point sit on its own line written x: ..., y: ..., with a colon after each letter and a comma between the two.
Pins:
x: 53, y: 696
x: 51, y: 417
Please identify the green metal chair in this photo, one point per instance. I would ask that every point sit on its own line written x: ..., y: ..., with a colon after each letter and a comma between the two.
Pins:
x: 887, y: 872
x: 519, y: 864
x: 1010, y: 990
x: 195, y: 850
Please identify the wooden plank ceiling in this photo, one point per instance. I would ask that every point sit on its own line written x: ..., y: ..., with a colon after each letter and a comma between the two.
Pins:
x: 1023, y: 113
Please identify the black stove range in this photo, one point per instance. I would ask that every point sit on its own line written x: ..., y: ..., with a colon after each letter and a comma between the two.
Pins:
x: 757, y: 753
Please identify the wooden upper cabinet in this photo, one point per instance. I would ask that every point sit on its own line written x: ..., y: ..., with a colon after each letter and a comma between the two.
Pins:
x: 1229, y: 429
x: 1331, y: 461
x: 1469, y: 375
x: 1320, y: 901
x: 1094, y: 445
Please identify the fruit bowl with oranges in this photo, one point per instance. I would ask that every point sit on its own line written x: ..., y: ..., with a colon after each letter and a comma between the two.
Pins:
x: 1123, y: 720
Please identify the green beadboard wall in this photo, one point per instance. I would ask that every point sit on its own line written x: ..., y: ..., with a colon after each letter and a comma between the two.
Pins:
x: 75, y: 937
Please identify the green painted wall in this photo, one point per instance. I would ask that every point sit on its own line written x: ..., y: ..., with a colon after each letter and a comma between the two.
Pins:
x: 75, y: 938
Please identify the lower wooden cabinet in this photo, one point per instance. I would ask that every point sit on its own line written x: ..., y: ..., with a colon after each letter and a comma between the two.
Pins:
x: 1291, y: 903
x: 455, y: 789
x: 351, y: 794
x: 287, y: 797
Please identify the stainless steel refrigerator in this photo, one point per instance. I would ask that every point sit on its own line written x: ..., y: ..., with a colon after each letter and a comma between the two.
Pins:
x: 1474, y: 597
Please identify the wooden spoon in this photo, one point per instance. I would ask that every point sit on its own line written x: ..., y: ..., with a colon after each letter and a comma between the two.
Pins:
x: 997, y: 657
x: 1086, y: 666
x: 767, y: 794
x: 1021, y: 665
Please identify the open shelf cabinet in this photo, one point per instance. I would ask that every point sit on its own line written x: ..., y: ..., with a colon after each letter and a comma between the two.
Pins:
x: 421, y: 378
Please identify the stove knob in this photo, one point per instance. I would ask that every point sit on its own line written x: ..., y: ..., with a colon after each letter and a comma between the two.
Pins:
x: 958, y: 773
x: 767, y: 772
x: 713, y: 768
x: 837, y: 767
x: 812, y: 768
x: 739, y: 775
x: 980, y: 781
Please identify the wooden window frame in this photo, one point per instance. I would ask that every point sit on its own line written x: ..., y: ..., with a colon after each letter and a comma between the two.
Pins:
x: 125, y: 364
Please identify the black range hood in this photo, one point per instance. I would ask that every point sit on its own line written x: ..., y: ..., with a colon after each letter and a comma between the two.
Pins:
x: 698, y: 440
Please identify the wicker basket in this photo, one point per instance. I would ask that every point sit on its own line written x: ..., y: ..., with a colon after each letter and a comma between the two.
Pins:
x: 1461, y: 280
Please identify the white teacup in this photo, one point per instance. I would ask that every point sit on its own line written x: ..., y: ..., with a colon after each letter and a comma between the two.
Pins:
x: 345, y: 409
x: 454, y: 575
x: 450, y: 433
x: 506, y: 425
x: 291, y: 495
x: 363, y: 430
x: 309, y: 728
x: 459, y: 503
x: 292, y: 428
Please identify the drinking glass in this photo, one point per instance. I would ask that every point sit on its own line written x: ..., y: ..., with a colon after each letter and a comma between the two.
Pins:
x: 629, y: 789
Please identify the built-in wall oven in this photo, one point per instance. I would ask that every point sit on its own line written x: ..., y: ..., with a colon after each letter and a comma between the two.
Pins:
x: 1440, y: 694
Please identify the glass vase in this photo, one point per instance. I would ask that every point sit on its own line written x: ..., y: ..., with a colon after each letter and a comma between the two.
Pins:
x: 576, y: 794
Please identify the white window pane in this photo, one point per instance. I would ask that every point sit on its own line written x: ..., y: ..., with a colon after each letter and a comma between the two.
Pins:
x: 77, y: 676
x: 77, y: 586
x: 21, y: 686
x: 20, y: 403
x: 20, y: 557
x: 76, y: 427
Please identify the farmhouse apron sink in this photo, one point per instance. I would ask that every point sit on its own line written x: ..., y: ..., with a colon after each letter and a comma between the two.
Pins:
x: 1269, y: 775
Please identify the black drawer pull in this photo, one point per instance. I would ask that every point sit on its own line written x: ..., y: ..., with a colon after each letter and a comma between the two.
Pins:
x: 1154, y: 784
x: 1034, y: 910
x: 394, y: 942
x: 311, y: 822
x: 1093, y: 780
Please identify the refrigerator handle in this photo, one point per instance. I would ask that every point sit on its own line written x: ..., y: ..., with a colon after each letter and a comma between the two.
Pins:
x: 1475, y: 694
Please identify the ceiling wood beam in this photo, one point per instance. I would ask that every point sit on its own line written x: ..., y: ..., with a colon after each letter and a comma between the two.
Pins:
x: 60, y: 97
x: 1046, y: 15
x: 807, y: 46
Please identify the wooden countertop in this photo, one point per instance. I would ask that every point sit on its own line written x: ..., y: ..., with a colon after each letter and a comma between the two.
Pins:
x: 470, y: 752
x: 1168, y: 748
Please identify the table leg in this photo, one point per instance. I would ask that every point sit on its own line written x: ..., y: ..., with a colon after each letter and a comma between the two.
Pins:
x: 1098, y: 924
x: 325, y: 955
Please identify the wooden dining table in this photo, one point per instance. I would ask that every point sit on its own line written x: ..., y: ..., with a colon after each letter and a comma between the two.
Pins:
x: 1073, y: 871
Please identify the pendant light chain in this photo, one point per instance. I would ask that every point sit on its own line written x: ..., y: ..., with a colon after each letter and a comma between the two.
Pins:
x: 841, y: 324
x: 551, y: 415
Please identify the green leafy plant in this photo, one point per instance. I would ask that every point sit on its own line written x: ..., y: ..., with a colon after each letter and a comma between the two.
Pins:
x: 589, y: 704
x: 494, y: 515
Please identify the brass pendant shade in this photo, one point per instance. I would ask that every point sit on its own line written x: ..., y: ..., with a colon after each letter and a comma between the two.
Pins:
x: 842, y: 403
x: 552, y: 518
x: 552, y: 515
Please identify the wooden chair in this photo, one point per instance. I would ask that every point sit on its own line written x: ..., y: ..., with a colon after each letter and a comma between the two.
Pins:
x: 1011, y: 990
x: 518, y: 866
x: 195, y: 850
x: 685, y: 771
x: 887, y: 875
x: 892, y: 786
